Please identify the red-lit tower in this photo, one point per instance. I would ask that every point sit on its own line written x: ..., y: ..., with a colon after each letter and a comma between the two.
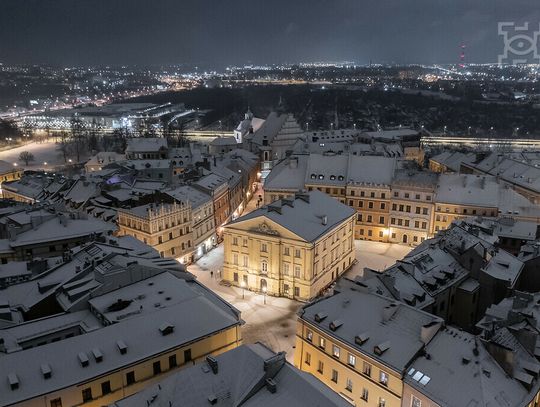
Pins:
x: 462, y: 56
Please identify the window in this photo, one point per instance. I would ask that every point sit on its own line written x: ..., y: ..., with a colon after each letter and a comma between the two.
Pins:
x: 417, y: 196
x: 383, y: 196
x: 297, y: 253
x: 130, y: 378
x: 394, y: 207
x: 285, y: 269
x: 156, y: 366
x: 245, y: 261
x: 382, y: 402
x: 424, y: 225
x: 308, y: 358
x: 381, y: 220
x: 235, y: 259
x: 187, y: 355
x: 172, y: 361
x: 286, y: 251
x: 383, y: 378
x: 366, y: 369
x: 418, y: 210
x: 264, y: 248
x: 416, y: 224
x: 334, y: 376
x: 264, y: 266
x: 424, y: 211
x: 369, y: 218
x: 365, y: 394
x: 56, y: 402
x: 106, y: 387
x: 408, y: 208
x: 235, y: 277
x: 335, y: 351
x: 309, y: 336
x: 362, y: 193
x: 286, y: 289
x: 393, y: 221
x: 87, y: 395
x: 244, y: 242
x: 372, y: 194
x: 406, y: 194
x: 352, y: 360
x: 348, y: 386
x: 396, y: 194
x: 296, y: 271
x: 320, y: 368
x: 297, y: 291
x: 235, y: 241
x: 383, y: 205
x: 322, y: 342
x: 370, y: 205
x: 415, y: 402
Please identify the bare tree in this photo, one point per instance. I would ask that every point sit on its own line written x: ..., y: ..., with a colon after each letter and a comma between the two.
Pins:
x: 26, y: 156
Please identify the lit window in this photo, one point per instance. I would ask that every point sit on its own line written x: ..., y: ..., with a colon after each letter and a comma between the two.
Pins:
x: 365, y: 394
x: 335, y: 351
x: 352, y: 359
x: 322, y: 342
x: 383, y: 378
x: 309, y: 336
x: 366, y: 369
x: 334, y: 376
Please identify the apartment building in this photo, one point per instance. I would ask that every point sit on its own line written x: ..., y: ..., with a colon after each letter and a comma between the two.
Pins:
x: 131, y: 344
x: 361, y: 344
x: 165, y: 227
x: 412, y: 206
x: 294, y: 247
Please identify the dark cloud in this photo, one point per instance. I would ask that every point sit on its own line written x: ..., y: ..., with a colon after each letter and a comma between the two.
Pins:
x: 219, y: 32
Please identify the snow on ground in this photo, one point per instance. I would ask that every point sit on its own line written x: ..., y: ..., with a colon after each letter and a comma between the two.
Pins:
x: 376, y: 255
x: 46, y: 152
x: 274, y: 323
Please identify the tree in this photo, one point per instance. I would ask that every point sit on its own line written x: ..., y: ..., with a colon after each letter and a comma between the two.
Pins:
x: 26, y: 156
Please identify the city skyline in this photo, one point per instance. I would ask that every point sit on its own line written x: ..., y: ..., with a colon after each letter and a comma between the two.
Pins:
x: 216, y: 34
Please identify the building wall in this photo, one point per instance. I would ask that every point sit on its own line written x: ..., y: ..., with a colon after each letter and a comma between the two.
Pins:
x: 7, y: 194
x: 169, y: 232
x: 309, y: 354
x: 213, y: 344
x: 282, y: 262
x: 445, y: 214
x: 372, y: 204
x: 410, y: 215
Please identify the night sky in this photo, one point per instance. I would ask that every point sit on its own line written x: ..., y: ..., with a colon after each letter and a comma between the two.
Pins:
x: 220, y: 32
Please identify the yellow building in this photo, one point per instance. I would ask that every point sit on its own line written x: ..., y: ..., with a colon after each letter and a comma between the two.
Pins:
x: 360, y: 344
x: 294, y: 247
x: 139, y: 344
x: 165, y: 227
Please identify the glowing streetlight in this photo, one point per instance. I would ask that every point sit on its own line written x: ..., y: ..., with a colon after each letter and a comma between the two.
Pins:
x: 45, y: 163
x: 243, y: 285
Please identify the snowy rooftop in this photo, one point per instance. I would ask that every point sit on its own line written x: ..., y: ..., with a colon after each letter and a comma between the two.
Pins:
x: 187, y: 193
x: 243, y: 377
x: 193, y: 319
x: 403, y: 330
x: 453, y: 159
x: 458, y: 361
x: 304, y: 214
x: 463, y: 189
x: 146, y: 144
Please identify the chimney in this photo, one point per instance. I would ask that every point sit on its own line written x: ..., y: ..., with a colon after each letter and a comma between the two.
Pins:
x: 429, y: 330
x: 213, y: 363
x: 325, y: 220
x: 389, y: 311
x: 12, y: 232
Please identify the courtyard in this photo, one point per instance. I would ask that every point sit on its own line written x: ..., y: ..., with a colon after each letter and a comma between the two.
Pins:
x: 272, y: 320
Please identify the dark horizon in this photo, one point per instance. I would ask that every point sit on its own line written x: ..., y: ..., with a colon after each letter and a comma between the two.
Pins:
x: 217, y: 34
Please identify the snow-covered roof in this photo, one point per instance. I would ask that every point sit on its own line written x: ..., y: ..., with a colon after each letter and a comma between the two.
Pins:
x: 146, y: 144
x: 459, y: 362
x: 308, y: 215
x: 240, y: 380
x: 194, y: 318
x: 382, y: 320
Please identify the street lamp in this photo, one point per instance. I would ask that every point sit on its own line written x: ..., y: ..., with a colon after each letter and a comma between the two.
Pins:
x: 243, y: 285
x: 264, y: 293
